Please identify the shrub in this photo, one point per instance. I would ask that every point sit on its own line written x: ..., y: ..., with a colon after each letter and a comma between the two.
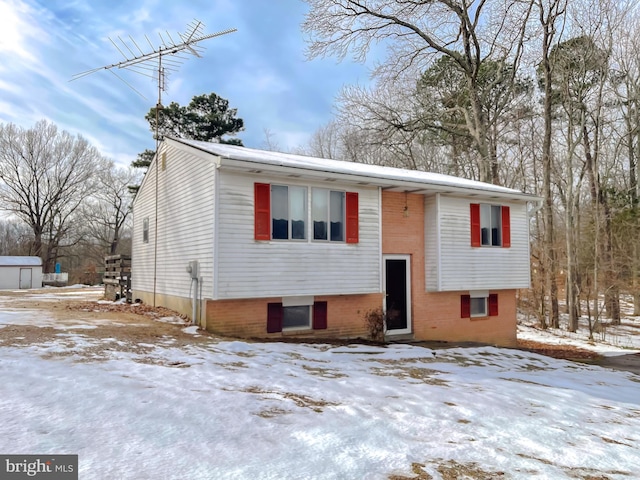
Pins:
x: 374, y: 320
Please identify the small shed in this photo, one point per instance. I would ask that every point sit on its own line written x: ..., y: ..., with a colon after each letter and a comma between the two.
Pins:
x: 20, y: 272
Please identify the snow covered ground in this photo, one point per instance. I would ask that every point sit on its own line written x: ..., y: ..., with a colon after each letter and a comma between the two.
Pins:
x: 237, y: 410
x: 608, y: 340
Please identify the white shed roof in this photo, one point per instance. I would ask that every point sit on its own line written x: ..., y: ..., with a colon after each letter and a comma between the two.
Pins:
x: 20, y: 261
x: 396, y: 179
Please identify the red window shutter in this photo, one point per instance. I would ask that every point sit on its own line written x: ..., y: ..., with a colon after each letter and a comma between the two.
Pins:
x: 506, y: 227
x: 320, y: 315
x: 352, y: 217
x: 274, y: 317
x: 262, y: 217
x: 475, y: 225
x: 493, y: 305
x: 465, y: 306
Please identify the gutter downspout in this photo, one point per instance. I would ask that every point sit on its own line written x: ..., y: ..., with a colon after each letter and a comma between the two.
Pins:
x: 194, y: 309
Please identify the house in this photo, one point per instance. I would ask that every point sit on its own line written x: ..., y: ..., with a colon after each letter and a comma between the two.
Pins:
x: 20, y: 272
x: 261, y: 244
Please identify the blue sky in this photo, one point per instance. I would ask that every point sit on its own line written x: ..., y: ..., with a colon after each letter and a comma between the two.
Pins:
x: 261, y: 69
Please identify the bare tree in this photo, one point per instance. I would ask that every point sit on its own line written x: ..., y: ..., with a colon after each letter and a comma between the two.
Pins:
x: 270, y: 141
x: 45, y: 174
x: 551, y: 14
x: 417, y: 32
x: 14, y: 235
x: 626, y: 85
x: 326, y: 142
x: 108, y: 209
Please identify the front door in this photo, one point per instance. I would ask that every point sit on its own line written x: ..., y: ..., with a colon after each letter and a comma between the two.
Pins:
x: 25, y: 278
x: 397, y: 286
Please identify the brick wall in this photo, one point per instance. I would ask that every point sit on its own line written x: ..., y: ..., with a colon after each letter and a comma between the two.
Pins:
x: 436, y: 315
x: 248, y: 317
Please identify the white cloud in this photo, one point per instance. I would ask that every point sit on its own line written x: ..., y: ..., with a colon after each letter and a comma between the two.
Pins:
x: 15, y: 29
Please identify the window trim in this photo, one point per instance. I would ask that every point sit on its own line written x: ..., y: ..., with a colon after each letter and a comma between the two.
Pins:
x: 305, y: 204
x: 475, y: 216
x: 343, y: 221
x: 317, y: 316
x: 485, y: 309
x: 263, y: 216
x: 309, y: 323
x: 490, y: 302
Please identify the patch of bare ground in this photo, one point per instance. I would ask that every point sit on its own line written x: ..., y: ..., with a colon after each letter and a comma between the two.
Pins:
x: 566, y: 352
x: 302, y: 401
x: 92, y: 330
x: 451, y: 470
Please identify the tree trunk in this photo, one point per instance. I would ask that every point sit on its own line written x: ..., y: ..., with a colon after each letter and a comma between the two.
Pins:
x: 572, y: 309
x: 115, y: 239
x: 634, y: 154
x: 636, y: 277
x: 551, y: 266
x: 599, y: 200
x: 612, y: 289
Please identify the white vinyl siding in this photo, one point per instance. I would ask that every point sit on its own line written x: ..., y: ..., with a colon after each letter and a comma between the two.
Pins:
x: 185, y: 224
x: 461, y: 267
x: 142, y: 252
x: 256, y: 269
x: 10, y: 276
x: 431, y: 239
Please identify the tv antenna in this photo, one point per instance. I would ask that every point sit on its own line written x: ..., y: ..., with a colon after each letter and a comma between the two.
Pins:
x: 158, y: 62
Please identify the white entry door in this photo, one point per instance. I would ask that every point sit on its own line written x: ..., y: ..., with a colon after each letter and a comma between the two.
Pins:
x: 397, y: 287
x: 25, y: 277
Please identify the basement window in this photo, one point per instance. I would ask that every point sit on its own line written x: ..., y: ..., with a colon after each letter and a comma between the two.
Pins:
x: 298, y: 317
x: 479, y: 304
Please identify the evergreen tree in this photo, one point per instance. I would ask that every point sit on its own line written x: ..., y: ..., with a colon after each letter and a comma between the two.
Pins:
x: 206, y: 118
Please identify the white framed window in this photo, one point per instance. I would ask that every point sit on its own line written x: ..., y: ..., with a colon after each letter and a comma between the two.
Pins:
x: 284, y: 212
x: 491, y: 225
x: 288, y: 212
x: 296, y: 313
x: 478, y: 306
x: 145, y: 230
x: 328, y: 214
x: 296, y: 317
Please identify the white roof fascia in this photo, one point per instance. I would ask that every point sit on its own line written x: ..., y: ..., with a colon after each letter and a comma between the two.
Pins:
x: 296, y: 166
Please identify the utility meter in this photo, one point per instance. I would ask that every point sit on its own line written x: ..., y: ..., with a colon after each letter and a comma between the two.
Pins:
x: 192, y: 269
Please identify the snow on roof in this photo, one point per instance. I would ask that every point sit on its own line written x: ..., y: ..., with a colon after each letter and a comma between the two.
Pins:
x: 377, y: 174
x: 15, y: 261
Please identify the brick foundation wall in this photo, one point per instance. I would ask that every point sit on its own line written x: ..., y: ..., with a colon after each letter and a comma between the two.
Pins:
x: 248, y: 317
x: 436, y: 315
